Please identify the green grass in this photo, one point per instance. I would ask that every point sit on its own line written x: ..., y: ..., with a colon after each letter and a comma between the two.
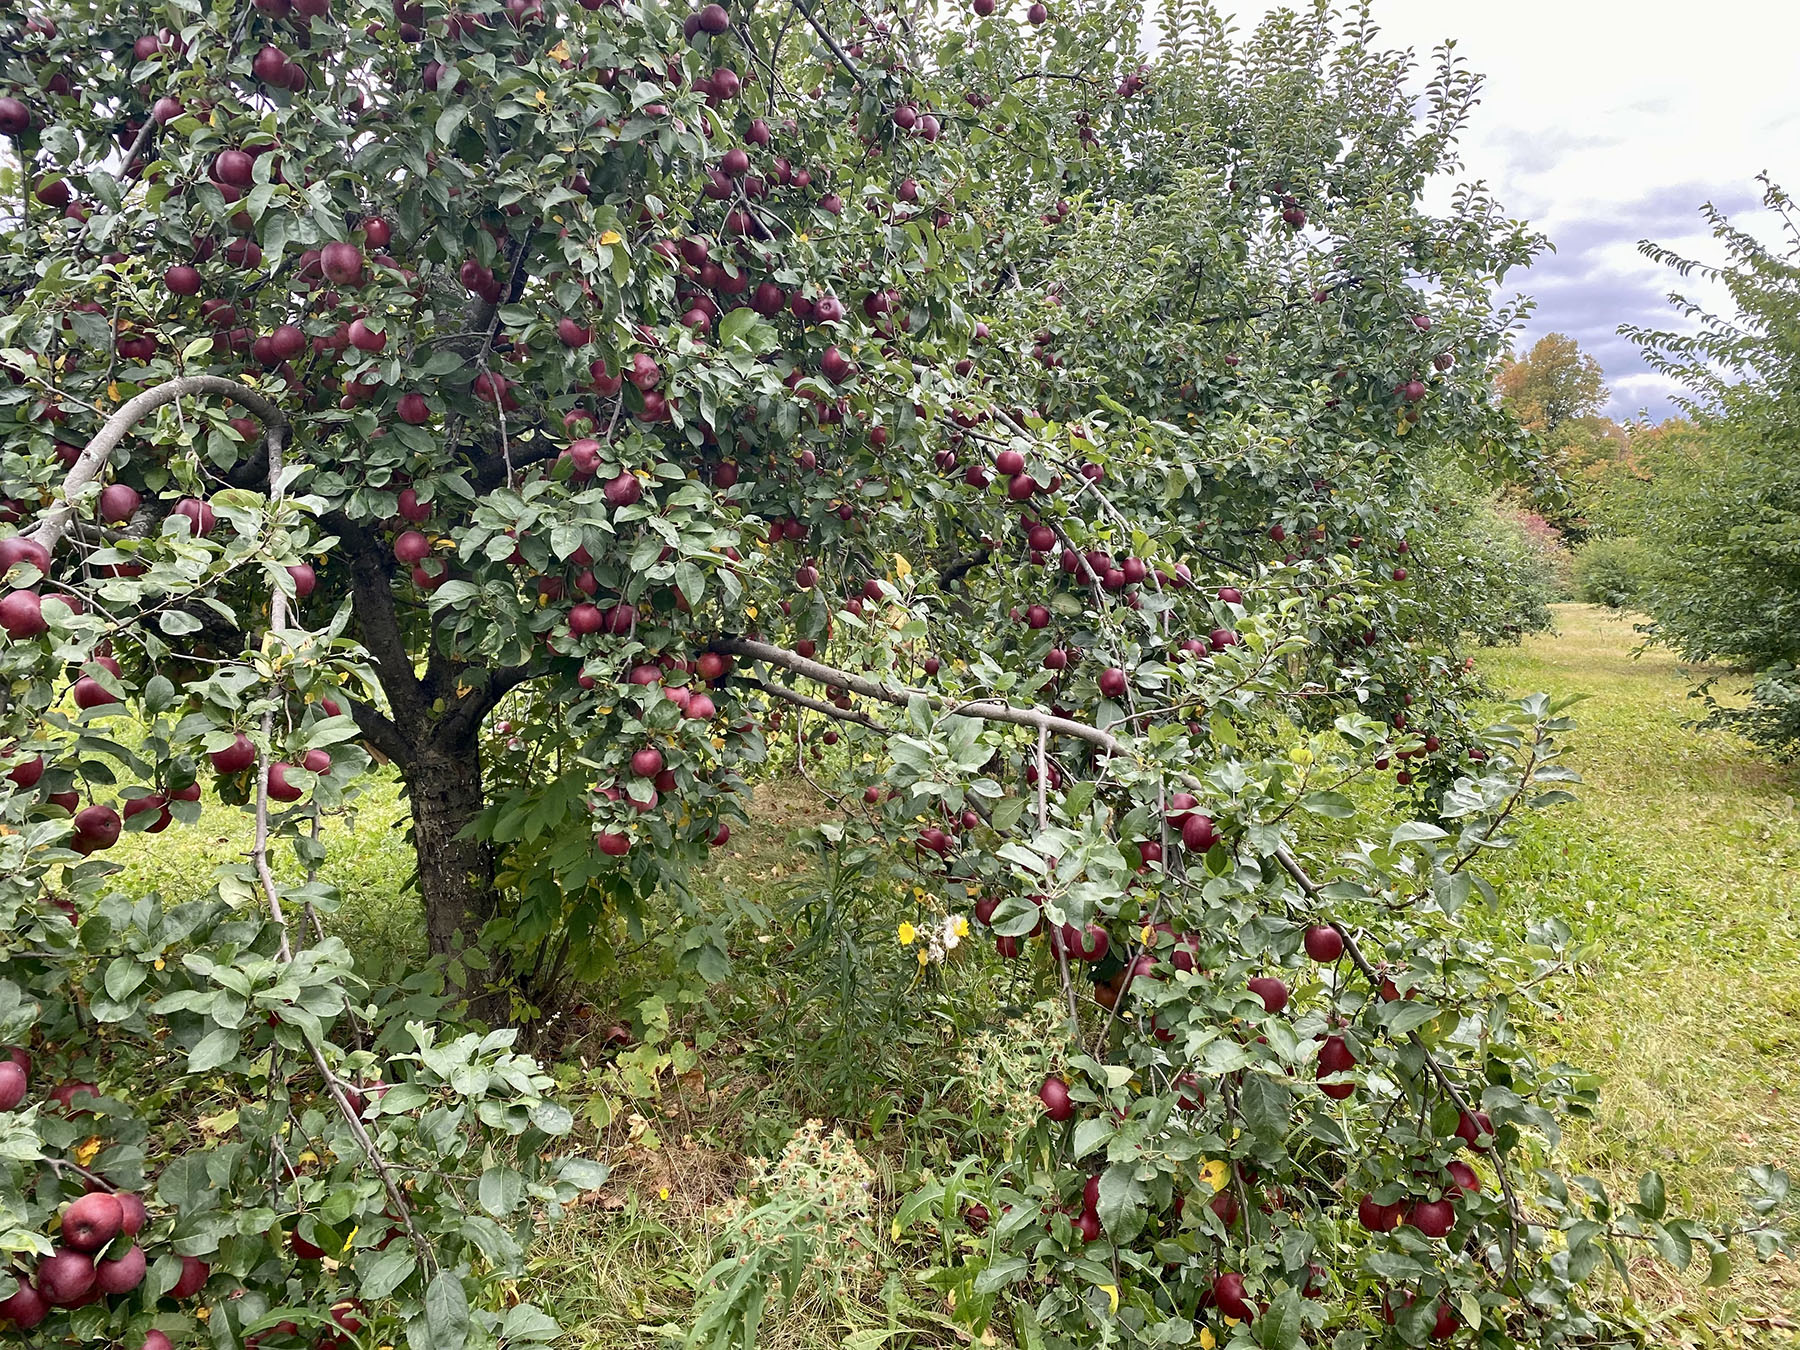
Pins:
x: 1680, y: 863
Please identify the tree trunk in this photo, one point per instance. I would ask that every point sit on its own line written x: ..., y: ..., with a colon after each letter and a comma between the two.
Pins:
x: 456, y: 875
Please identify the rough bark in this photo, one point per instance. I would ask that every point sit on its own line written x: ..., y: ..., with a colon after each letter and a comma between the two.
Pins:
x: 456, y: 875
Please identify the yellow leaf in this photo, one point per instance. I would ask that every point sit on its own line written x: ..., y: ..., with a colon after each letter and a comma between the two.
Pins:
x: 908, y: 934
x: 1214, y: 1174
x: 1207, y: 1340
x: 223, y: 1123
x: 612, y: 237
x: 1112, y: 1295
x: 560, y: 52
x: 88, y: 1150
x: 112, y: 391
x: 902, y: 568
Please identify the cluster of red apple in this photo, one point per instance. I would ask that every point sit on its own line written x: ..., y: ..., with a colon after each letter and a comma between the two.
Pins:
x: 647, y: 763
x: 96, y: 1254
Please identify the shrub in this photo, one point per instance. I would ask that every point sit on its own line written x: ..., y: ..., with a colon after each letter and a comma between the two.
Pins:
x: 1610, y: 572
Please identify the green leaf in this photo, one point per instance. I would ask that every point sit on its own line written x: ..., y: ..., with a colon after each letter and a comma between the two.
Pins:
x: 500, y: 1191
x: 1332, y: 805
x: 446, y: 1313
x: 388, y: 1271
x: 1001, y: 1273
x: 1120, y: 1206
x: 1280, y: 1325
x: 1416, y: 832
x: 217, y: 1047
x: 1721, y: 1269
x: 1090, y: 1134
x: 736, y: 324
x: 1652, y: 1197
x: 450, y: 121
x: 1267, y: 1105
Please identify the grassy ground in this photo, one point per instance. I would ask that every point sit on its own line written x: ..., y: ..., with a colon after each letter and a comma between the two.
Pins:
x: 1680, y: 863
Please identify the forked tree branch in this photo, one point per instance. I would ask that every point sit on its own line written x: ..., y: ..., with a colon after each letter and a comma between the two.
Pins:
x: 94, y: 455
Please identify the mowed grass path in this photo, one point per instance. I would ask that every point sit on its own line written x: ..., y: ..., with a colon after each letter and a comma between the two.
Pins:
x: 1680, y: 864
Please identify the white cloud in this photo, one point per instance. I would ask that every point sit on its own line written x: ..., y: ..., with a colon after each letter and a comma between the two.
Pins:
x: 1607, y: 121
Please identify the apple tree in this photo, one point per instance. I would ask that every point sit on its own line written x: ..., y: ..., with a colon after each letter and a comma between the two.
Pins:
x: 555, y: 401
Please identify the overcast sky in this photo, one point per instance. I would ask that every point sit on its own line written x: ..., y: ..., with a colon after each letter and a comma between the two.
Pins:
x: 1608, y: 121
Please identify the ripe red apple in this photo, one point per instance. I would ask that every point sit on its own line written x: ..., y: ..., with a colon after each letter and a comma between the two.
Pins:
x: 234, y: 758
x: 413, y: 410
x: 13, y: 1085
x: 24, y: 1308
x: 118, y: 503
x: 156, y: 1340
x: 341, y: 263
x: 234, y: 168
x: 1112, y: 682
x: 1324, y: 943
x: 1054, y: 1094
x: 1335, y: 1058
x: 65, y: 1095
x: 22, y: 615
x: 18, y: 548
x: 411, y: 547
x: 1471, y: 1129
x: 1433, y: 1218
x: 572, y: 333
x: 1198, y: 833
x: 624, y: 490
x: 1463, y: 1177
x: 97, y: 827
x: 364, y: 338
x: 192, y: 1279
x: 279, y: 788
x: 65, y: 1276
x: 1272, y: 992
x: 1377, y: 1218
x: 183, y: 279
x: 1228, y: 1294
x: 15, y: 117
x: 133, y: 1214
x: 122, y: 1274
x: 613, y: 844
x: 198, y: 514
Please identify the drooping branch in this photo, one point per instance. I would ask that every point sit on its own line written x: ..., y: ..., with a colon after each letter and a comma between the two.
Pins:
x: 818, y: 705
x: 94, y: 455
x: 1291, y: 865
x: 987, y: 710
x: 259, y: 854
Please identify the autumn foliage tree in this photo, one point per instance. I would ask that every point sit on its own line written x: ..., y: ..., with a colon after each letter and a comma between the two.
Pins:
x: 1045, y: 420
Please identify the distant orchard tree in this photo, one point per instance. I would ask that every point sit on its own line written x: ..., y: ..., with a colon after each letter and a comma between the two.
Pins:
x: 1555, y: 382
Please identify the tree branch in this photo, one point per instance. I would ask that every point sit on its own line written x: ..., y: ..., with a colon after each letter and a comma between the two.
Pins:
x: 817, y: 705
x: 842, y: 56
x: 988, y: 710
x: 94, y: 455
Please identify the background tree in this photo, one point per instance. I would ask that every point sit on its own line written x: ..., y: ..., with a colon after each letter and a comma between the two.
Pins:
x: 1552, y: 384
x: 1720, y: 511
